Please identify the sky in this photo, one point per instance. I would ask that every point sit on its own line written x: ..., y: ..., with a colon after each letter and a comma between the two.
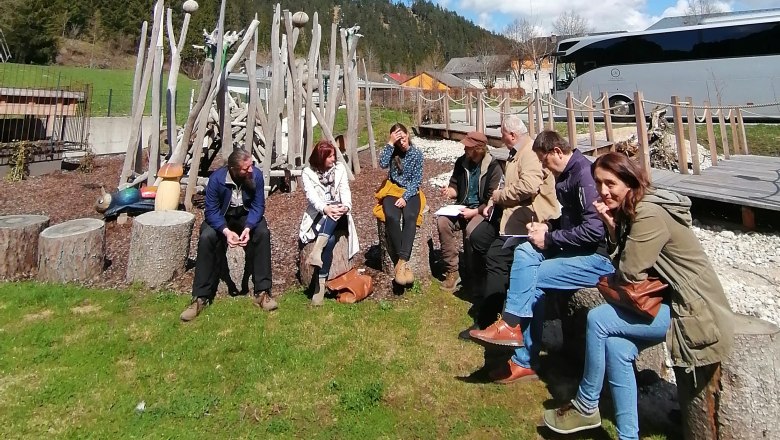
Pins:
x: 603, y: 15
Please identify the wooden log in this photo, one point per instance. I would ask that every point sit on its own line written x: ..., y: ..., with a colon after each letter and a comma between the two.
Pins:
x: 641, y: 132
x: 72, y: 251
x: 159, y: 246
x: 591, y: 121
x: 710, y: 134
x: 692, y: 136
x: 679, y: 135
x: 571, y: 121
x: 418, y: 261
x: 607, y: 119
x: 341, y: 261
x: 19, y: 244
x: 736, y: 399
x: 724, y: 138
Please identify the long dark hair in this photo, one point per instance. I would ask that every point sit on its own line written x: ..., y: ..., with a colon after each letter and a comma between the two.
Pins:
x: 322, y: 150
x: 631, y: 174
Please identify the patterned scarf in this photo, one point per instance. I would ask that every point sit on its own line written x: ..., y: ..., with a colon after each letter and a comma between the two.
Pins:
x: 328, y: 179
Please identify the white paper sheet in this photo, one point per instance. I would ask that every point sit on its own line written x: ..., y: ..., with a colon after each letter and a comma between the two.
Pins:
x: 450, y: 210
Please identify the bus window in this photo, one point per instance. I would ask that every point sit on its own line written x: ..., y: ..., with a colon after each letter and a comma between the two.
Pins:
x: 566, y: 72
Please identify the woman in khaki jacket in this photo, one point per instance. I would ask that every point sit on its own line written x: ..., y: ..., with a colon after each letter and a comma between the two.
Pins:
x: 651, y: 230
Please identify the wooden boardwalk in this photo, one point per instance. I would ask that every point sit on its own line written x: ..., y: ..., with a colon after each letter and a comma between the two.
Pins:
x: 747, y: 181
x: 750, y: 182
x: 458, y: 132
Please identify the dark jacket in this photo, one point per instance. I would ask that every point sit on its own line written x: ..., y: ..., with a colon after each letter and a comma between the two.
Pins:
x: 218, y: 199
x: 489, y: 177
x: 579, y: 226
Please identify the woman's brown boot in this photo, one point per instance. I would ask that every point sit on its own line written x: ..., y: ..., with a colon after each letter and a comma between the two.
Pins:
x: 319, y: 296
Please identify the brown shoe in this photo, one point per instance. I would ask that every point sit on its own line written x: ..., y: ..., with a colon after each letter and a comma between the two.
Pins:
x: 402, y: 273
x: 500, y: 333
x: 265, y: 301
x: 193, y: 310
x: 408, y: 275
x: 511, y: 373
x: 451, y: 281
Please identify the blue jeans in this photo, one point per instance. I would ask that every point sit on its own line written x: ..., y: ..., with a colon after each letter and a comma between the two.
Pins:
x: 533, y: 271
x: 327, y: 227
x: 612, y: 342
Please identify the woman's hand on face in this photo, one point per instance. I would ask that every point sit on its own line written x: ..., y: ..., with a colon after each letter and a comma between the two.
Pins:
x: 400, y: 203
x: 604, y: 214
x: 395, y: 137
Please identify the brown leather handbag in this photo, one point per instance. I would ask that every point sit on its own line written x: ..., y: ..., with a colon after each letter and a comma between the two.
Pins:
x: 643, y: 298
x: 351, y: 286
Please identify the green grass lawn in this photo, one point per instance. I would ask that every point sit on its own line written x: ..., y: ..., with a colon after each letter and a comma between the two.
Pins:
x: 76, y: 362
x: 115, y: 86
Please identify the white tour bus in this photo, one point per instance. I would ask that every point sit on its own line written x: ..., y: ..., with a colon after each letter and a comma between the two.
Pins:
x: 731, y: 58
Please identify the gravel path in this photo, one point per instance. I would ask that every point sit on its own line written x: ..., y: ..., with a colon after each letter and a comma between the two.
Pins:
x: 748, y: 264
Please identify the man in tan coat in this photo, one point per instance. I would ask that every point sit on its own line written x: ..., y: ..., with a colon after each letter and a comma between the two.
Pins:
x: 527, y: 195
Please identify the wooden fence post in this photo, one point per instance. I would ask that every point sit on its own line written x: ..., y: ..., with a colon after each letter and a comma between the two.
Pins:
x: 607, y: 119
x: 641, y: 133
x: 538, y: 111
x: 550, y: 115
x: 679, y: 134
x: 447, y: 112
x: 711, y: 134
x: 724, y: 138
x: 480, y: 113
x: 571, y: 122
x: 468, y: 108
x: 734, y: 135
x: 694, y: 140
x: 531, y: 118
x: 591, y: 123
x: 743, y: 136
x: 419, y: 108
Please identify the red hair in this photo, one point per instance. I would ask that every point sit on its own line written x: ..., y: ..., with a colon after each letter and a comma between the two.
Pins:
x: 322, y: 150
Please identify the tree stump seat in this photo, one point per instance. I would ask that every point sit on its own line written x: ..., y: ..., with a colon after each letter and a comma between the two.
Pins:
x: 340, y: 264
x: 72, y: 251
x: 419, y: 261
x: 19, y: 236
x: 159, y: 246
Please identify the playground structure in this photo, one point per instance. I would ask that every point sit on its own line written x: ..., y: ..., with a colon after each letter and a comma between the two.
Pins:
x: 220, y: 122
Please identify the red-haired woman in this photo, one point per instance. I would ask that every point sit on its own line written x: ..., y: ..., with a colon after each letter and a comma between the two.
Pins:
x: 326, y: 184
x: 650, y: 230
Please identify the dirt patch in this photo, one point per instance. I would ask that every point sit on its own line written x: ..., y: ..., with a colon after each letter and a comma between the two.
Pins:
x: 67, y: 195
x: 43, y: 314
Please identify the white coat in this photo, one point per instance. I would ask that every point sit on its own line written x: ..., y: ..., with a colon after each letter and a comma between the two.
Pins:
x: 315, y: 194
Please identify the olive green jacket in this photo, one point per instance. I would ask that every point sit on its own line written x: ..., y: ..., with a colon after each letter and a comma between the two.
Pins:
x: 701, y: 331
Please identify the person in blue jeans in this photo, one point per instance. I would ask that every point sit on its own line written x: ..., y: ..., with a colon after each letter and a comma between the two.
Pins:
x: 650, y: 230
x: 565, y: 254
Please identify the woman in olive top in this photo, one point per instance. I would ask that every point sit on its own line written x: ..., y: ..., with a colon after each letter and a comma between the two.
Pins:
x: 650, y: 230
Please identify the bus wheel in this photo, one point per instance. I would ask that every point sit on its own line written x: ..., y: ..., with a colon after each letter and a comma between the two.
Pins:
x: 623, y: 108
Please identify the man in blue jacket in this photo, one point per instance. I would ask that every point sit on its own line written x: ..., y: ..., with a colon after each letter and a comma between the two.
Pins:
x: 564, y: 254
x: 235, y: 204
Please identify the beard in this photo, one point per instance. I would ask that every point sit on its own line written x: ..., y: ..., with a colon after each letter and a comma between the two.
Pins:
x: 246, y: 182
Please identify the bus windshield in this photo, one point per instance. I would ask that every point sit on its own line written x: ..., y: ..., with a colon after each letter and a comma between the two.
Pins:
x: 564, y: 75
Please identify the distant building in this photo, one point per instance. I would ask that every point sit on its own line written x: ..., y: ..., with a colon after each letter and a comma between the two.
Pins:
x: 501, y: 72
x: 395, y: 78
x: 437, y: 81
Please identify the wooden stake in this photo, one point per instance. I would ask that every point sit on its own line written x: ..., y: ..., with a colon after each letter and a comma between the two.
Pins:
x: 607, y: 120
x: 571, y: 121
x: 641, y: 133
x: 369, y: 126
x: 742, y: 135
x: 591, y: 123
x: 710, y: 134
x: 694, y: 141
x: 679, y: 134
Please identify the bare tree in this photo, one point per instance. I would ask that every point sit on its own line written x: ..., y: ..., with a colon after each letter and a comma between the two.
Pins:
x: 698, y: 8
x: 571, y: 24
x: 527, y: 48
x: 489, y: 64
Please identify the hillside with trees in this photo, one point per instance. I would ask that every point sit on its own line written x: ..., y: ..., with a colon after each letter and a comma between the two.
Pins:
x: 397, y: 36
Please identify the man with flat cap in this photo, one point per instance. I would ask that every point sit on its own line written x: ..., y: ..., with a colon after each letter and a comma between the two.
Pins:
x: 476, y: 175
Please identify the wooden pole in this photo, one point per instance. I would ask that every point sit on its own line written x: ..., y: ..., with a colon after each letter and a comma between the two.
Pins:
x: 734, y: 135
x: 313, y: 63
x: 333, y: 81
x: 641, y: 133
x: 550, y: 115
x: 173, y: 77
x: 134, y: 141
x: 480, y: 112
x: 607, y: 120
x: 418, y: 116
x: 531, y: 118
x: 369, y: 126
x: 251, y: 115
x: 154, y: 147
x: 724, y: 138
x: 469, y: 97
x: 591, y: 122
x: 743, y: 136
x: 136, y: 158
x: 571, y: 122
x: 538, y: 111
x: 679, y: 135
x: 218, y: 83
x: 694, y: 140
x: 447, y: 112
x: 348, y: 48
x: 710, y: 134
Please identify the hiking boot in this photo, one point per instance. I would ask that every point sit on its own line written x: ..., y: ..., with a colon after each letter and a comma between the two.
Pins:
x: 193, y: 310
x: 402, y: 273
x: 500, y: 333
x: 511, y: 373
x: 265, y: 301
x: 567, y: 419
x: 318, y: 298
x: 315, y: 257
x: 451, y: 281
